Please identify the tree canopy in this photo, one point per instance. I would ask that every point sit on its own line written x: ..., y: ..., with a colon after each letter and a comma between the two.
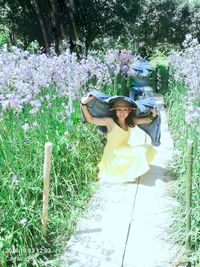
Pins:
x: 142, y: 23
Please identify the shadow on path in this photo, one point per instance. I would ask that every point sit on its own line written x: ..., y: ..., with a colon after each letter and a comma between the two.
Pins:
x: 155, y: 173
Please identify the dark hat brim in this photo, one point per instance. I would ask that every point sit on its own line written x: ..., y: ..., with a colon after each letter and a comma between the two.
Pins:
x: 131, y: 103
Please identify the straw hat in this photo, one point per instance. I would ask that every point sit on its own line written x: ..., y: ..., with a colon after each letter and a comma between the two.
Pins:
x: 122, y: 104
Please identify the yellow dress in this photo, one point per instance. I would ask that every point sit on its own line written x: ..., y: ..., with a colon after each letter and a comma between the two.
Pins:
x: 122, y: 162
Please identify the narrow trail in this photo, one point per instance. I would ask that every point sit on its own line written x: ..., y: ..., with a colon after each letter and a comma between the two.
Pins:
x: 127, y: 225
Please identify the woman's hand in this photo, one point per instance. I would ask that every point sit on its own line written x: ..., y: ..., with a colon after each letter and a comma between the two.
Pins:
x: 154, y: 112
x: 86, y: 99
x: 146, y: 120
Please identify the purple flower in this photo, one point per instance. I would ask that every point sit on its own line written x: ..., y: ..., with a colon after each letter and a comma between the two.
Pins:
x: 36, y: 103
x: 23, y: 221
x: 186, y: 67
x: 15, y: 180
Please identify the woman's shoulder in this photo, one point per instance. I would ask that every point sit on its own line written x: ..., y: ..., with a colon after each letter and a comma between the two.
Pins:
x: 110, y: 124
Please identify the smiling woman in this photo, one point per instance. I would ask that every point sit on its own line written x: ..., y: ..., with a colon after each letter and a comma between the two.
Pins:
x: 121, y: 162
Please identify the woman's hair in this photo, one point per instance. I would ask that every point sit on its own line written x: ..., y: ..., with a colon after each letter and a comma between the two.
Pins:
x: 128, y: 120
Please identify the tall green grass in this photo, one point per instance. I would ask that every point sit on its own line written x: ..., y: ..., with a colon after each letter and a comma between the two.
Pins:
x: 181, y: 133
x: 76, y: 150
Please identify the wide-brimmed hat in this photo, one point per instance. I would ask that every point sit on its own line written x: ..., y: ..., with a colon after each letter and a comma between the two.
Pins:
x: 121, y: 104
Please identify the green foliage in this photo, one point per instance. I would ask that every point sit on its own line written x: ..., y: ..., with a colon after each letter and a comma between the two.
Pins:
x: 182, y: 132
x: 139, y: 25
x: 162, y: 50
x: 161, y: 74
x: 162, y: 78
x: 194, y: 27
x: 120, y: 86
x: 4, y: 39
x: 76, y: 151
x: 33, y: 47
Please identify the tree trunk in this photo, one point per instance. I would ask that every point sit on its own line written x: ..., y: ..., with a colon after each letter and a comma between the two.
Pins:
x: 55, y: 25
x: 70, y: 7
x: 42, y: 26
x: 12, y: 38
x: 25, y: 42
x: 87, y: 45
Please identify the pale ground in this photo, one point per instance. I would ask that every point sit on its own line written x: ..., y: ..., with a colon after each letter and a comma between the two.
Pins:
x: 127, y: 225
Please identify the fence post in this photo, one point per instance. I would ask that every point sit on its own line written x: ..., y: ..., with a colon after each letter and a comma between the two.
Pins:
x: 46, y: 174
x: 188, y: 179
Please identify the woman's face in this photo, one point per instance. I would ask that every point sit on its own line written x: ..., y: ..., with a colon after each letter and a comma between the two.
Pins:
x: 122, y: 113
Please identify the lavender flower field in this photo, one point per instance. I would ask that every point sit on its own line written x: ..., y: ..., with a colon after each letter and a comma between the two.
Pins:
x: 34, y: 109
x: 39, y: 102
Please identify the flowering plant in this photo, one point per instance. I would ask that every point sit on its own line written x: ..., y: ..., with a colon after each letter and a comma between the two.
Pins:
x: 185, y: 67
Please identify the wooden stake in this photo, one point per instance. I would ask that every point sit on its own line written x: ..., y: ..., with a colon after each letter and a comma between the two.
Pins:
x: 46, y: 174
x: 188, y: 179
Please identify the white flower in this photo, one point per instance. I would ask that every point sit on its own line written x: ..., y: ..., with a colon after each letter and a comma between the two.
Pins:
x: 25, y: 127
x: 34, y: 110
x: 35, y: 124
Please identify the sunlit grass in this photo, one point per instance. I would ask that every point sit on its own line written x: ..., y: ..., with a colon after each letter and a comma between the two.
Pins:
x: 74, y: 159
x: 182, y: 132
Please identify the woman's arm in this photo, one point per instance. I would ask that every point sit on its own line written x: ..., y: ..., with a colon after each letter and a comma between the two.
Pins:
x: 108, y: 122
x: 146, y: 120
